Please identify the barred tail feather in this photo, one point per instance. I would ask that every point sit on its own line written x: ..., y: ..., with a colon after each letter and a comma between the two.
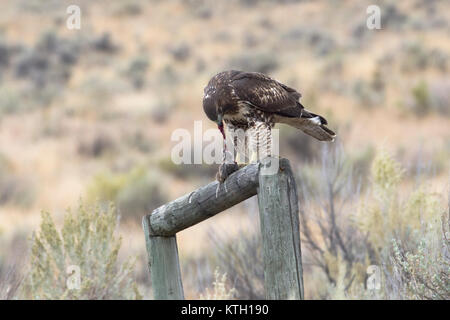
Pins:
x: 311, y: 124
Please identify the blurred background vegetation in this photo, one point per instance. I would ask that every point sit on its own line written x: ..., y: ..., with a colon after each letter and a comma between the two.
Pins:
x: 86, y: 118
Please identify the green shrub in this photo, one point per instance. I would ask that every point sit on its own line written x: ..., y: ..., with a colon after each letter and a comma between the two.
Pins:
x: 241, y: 259
x: 332, y: 243
x: 137, y: 70
x: 141, y: 195
x: 15, y: 189
x: 342, y: 241
x: 396, y: 223
x: 188, y: 171
x: 425, y: 270
x: 386, y: 174
x: 13, y: 248
x: 220, y: 291
x: 135, y: 193
x: 421, y: 98
x: 369, y: 94
x: 9, y: 101
x: 361, y: 161
x: 389, y: 214
x: 439, y: 92
x: 415, y: 56
x: 127, y: 8
x: 87, y: 240
x: 96, y: 145
x: 430, y: 97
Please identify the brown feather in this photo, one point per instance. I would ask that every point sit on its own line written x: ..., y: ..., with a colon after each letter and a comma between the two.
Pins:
x: 244, y: 98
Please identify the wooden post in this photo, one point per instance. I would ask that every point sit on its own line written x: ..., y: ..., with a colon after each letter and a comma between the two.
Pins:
x: 278, y: 209
x: 164, y: 265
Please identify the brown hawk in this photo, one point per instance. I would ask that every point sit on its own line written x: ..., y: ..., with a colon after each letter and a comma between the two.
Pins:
x: 253, y: 102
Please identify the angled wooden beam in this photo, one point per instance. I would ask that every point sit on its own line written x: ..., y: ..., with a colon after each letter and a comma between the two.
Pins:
x: 202, y: 203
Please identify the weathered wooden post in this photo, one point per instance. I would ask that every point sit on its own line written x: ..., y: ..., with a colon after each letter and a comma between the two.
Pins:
x: 274, y: 183
x: 278, y: 211
x: 164, y: 266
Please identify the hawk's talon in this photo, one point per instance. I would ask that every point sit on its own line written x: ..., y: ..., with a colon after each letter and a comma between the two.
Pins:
x: 225, y: 170
x: 218, y: 187
x: 217, y: 190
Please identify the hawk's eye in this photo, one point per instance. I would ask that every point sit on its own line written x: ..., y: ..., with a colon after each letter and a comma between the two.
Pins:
x: 209, y: 93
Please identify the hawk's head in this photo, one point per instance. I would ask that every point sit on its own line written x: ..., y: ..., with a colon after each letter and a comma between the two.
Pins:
x: 210, y: 107
x: 209, y: 103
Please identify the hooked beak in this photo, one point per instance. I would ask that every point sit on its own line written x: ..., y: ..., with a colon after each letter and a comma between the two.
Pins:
x: 222, y: 131
x: 220, y: 125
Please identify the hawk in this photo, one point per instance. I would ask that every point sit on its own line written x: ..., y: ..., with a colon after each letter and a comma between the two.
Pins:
x: 254, y: 103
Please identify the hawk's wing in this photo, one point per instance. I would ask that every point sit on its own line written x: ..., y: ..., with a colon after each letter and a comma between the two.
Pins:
x: 266, y: 94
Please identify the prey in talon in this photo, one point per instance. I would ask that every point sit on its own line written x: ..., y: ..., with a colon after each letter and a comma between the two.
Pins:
x: 225, y: 170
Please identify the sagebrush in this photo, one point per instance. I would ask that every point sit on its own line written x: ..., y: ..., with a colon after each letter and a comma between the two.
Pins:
x: 88, y: 242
